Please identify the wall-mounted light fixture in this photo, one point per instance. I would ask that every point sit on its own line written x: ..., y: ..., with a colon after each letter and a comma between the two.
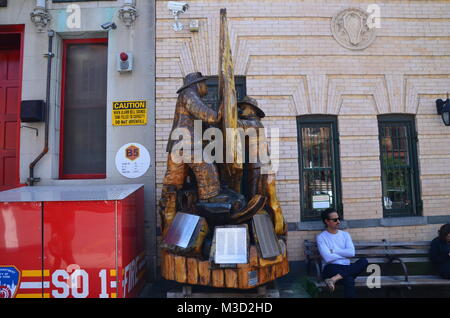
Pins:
x: 443, y: 109
x: 177, y: 8
x: 128, y: 12
x: 40, y: 16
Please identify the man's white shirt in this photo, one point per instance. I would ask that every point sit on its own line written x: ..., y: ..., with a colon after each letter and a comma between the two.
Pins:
x: 335, y: 248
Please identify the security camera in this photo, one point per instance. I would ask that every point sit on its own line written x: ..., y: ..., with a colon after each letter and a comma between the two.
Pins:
x: 177, y: 7
x: 109, y: 26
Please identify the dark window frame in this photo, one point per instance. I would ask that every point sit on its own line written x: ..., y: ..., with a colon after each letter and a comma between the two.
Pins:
x: 212, y: 82
x: 240, y: 83
x: 408, y: 121
x: 317, y: 121
x: 63, y: 175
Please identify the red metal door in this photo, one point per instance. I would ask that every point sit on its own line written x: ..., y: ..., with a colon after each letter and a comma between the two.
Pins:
x: 10, y: 91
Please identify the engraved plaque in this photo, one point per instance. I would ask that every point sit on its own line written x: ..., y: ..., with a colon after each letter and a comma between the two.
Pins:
x: 181, y: 229
x: 265, y: 236
x: 231, y: 245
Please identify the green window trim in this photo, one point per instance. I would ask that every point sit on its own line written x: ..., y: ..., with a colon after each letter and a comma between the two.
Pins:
x: 399, y: 166
x: 319, y: 166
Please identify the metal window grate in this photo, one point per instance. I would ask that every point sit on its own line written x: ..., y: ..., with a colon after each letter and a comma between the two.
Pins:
x: 320, y: 186
x: 398, y: 168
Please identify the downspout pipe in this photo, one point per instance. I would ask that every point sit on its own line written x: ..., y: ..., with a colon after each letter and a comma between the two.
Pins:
x: 32, y: 180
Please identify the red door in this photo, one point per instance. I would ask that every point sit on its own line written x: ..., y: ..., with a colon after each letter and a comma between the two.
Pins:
x: 10, y: 95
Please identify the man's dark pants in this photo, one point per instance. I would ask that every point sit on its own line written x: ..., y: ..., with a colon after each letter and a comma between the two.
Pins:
x: 348, y: 272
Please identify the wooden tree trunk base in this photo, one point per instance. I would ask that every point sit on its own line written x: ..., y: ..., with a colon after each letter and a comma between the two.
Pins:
x: 246, y: 276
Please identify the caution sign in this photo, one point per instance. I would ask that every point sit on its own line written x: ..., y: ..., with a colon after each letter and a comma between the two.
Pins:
x: 129, y: 113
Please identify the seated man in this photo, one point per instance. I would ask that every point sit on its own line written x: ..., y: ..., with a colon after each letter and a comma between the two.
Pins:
x: 440, y: 251
x: 336, y: 247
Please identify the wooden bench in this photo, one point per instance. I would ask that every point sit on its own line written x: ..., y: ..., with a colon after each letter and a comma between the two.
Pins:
x: 385, y: 253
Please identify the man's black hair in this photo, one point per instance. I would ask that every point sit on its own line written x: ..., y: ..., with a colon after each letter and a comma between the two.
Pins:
x: 444, y: 231
x: 325, y: 213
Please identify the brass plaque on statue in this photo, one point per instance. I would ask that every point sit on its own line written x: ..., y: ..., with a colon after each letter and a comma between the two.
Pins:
x: 265, y: 236
x: 181, y: 229
x: 231, y: 245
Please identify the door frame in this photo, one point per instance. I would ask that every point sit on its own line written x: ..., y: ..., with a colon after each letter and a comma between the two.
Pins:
x: 17, y: 29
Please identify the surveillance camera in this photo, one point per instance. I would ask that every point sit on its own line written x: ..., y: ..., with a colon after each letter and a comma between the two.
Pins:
x: 177, y: 6
x: 109, y: 26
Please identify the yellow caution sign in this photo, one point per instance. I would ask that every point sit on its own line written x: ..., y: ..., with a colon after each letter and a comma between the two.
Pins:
x: 127, y: 113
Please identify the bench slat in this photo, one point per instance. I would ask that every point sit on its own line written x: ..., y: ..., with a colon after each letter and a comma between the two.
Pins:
x: 388, y: 281
x: 393, y: 252
x: 379, y: 243
x: 380, y: 252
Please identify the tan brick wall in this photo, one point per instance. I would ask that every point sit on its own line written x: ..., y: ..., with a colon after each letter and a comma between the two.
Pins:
x: 294, y: 66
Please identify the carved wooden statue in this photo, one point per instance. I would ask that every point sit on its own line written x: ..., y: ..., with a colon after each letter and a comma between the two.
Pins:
x: 199, y: 198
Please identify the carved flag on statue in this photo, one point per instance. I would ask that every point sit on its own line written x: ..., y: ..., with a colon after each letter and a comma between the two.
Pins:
x: 227, y: 97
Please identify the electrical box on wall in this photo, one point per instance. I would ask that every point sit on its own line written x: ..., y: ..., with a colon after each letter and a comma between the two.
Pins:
x: 32, y: 111
x: 125, y: 62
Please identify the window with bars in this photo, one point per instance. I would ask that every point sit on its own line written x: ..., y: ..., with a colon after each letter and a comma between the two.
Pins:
x: 399, y: 167
x: 320, y: 186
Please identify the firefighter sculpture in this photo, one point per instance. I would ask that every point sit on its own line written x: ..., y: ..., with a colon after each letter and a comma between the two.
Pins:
x: 199, y: 197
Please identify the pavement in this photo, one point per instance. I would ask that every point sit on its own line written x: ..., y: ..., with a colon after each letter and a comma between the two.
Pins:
x: 293, y: 285
x: 288, y: 286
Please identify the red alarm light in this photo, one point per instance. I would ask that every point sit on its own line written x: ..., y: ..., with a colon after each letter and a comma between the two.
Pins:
x: 123, y: 56
x: 125, y: 62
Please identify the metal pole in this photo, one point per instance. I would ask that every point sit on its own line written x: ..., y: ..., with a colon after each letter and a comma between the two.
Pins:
x: 49, y: 55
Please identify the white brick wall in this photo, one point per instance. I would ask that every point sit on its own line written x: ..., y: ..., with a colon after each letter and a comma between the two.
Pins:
x: 294, y: 66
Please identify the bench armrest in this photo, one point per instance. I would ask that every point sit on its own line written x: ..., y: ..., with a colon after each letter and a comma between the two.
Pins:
x: 405, y: 270
x: 318, y: 271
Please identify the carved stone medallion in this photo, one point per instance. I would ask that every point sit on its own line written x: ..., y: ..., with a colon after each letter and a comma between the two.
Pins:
x: 350, y: 29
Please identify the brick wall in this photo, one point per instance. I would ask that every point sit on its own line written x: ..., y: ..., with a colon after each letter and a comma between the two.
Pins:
x: 294, y: 66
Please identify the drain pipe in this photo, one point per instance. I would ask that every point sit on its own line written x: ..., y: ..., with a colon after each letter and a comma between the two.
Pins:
x: 31, y: 180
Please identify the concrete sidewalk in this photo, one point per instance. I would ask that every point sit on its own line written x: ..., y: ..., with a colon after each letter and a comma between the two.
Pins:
x: 289, y: 286
x: 293, y: 285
